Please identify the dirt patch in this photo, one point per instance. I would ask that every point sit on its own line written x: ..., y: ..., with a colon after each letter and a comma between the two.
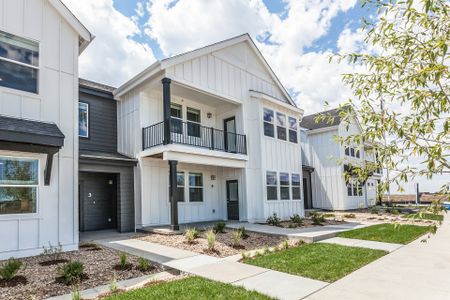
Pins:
x: 223, y: 246
x: 37, y: 281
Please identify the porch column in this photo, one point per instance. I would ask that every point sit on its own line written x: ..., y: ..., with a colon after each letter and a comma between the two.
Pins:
x: 172, y: 192
x: 166, y: 110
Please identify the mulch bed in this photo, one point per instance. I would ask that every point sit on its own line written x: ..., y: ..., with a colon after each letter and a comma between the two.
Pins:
x: 307, y: 223
x: 223, y: 246
x: 39, y: 278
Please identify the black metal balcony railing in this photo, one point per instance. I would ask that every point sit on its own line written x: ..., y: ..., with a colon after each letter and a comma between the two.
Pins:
x: 193, y: 134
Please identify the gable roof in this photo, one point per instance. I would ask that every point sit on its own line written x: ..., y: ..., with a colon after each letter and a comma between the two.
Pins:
x: 309, y: 122
x: 85, y: 37
x: 88, y: 86
x: 180, y: 58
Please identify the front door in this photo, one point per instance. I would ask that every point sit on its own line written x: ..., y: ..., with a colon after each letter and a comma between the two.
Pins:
x: 229, y: 127
x: 232, y: 200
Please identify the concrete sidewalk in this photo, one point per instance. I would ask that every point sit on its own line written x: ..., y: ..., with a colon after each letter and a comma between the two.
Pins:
x: 389, y: 247
x: 415, y: 271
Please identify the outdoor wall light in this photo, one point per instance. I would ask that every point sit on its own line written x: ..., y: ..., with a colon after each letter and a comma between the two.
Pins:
x: 209, y: 115
x: 213, y: 177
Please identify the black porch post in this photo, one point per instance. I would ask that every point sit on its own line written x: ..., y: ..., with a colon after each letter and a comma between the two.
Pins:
x: 172, y: 191
x: 166, y: 110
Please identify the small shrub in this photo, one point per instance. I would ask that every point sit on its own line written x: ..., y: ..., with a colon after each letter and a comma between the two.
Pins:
x: 191, y: 234
x: 53, y: 251
x: 329, y: 215
x: 219, y: 227
x: 113, y: 287
x: 71, y: 272
x: 375, y: 210
x: 284, y: 245
x: 395, y: 212
x: 350, y: 216
x: 9, y: 270
x: 273, y: 220
x: 143, y: 264
x: 237, y: 237
x: 317, y: 219
x: 292, y: 225
x: 123, y: 260
x: 243, y: 231
x: 296, y: 219
x: 211, y: 239
x: 75, y: 294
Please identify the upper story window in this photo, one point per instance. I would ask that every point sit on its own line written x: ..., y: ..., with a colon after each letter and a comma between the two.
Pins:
x: 353, y: 152
x: 83, y: 119
x: 268, y: 118
x: 194, y: 120
x: 281, y: 126
x: 271, y: 183
x: 176, y: 113
x: 293, y: 130
x: 19, y: 181
x: 19, y: 63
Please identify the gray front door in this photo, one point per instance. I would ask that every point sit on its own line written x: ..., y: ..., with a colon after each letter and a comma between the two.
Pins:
x: 232, y: 199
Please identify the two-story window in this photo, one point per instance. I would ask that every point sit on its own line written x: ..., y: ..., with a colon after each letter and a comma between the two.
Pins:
x: 285, y: 126
x: 83, y: 119
x: 19, y: 181
x: 19, y: 63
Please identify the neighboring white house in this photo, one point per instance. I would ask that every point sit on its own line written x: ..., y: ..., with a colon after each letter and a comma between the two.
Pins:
x: 218, y: 124
x: 325, y: 161
x: 40, y: 41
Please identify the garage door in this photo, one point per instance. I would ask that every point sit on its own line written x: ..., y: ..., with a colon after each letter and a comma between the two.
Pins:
x: 98, y: 201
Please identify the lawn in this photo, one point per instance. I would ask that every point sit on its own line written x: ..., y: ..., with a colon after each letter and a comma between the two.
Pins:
x: 388, y: 233
x: 191, y: 288
x: 326, y: 262
x: 425, y: 216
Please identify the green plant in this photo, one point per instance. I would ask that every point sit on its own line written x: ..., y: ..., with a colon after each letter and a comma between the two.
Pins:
x: 9, y: 270
x: 284, y: 244
x: 211, y: 239
x: 191, y: 234
x: 75, y: 294
x: 123, y: 260
x: 71, y: 272
x: 350, y: 216
x: 219, y: 227
x: 237, y: 237
x: 296, y: 219
x: 113, y: 287
x: 53, y: 251
x: 273, y: 220
x: 292, y: 225
x: 243, y: 231
x: 375, y: 210
x: 329, y: 215
x: 143, y: 264
x: 317, y: 219
x: 395, y: 212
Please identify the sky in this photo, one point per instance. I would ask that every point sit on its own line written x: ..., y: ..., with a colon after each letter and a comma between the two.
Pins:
x: 297, y: 38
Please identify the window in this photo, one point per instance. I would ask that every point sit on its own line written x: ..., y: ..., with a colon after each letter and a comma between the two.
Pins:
x: 360, y: 189
x: 19, y: 180
x: 349, y: 189
x: 83, y: 119
x: 295, y: 179
x: 268, y: 119
x: 193, y: 118
x: 281, y: 126
x: 352, y: 152
x: 284, y: 186
x: 19, y: 63
x: 195, y: 187
x: 292, y: 130
x: 354, y: 189
x: 271, y: 183
x: 357, y: 153
x: 179, y: 196
x: 347, y: 151
x: 176, y: 120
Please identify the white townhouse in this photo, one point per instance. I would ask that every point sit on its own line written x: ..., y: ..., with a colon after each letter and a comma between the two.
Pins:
x: 214, y: 130
x: 40, y: 41
x: 325, y: 161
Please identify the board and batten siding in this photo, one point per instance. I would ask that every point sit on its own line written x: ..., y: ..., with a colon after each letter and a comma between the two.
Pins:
x: 57, y: 101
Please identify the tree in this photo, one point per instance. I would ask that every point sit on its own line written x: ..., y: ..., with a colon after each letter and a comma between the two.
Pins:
x: 402, y: 90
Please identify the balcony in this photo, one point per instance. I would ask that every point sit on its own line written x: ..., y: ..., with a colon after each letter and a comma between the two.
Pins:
x: 193, y: 134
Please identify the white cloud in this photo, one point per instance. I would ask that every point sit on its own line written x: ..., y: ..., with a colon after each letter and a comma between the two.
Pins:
x: 351, y: 41
x: 113, y: 57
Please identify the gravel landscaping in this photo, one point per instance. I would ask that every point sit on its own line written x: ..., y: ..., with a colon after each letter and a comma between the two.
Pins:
x: 39, y: 278
x: 223, y: 246
x: 379, y: 216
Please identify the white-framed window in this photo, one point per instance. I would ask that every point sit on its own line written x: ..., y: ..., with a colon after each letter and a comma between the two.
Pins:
x: 195, y: 187
x: 193, y: 121
x: 19, y: 63
x: 83, y: 119
x: 353, y: 152
x: 293, y: 129
x: 284, y: 186
x: 281, y: 126
x: 354, y: 189
x: 179, y: 195
x: 268, y: 121
x: 272, y: 185
x: 19, y: 182
x: 295, y: 183
x: 176, y: 120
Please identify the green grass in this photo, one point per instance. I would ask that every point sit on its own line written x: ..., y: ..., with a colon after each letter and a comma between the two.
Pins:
x: 388, y: 233
x: 425, y: 216
x: 326, y: 262
x: 191, y: 288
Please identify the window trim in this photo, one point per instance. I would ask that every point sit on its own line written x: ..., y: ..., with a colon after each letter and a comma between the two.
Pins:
x: 88, y: 131
x: 38, y: 67
x: 199, y: 124
x: 37, y: 186
x: 202, y: 187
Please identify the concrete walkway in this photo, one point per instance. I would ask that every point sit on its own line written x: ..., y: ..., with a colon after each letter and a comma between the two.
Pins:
x: 415, y: 271
x: 308, y: 235
x: 389, y: 247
